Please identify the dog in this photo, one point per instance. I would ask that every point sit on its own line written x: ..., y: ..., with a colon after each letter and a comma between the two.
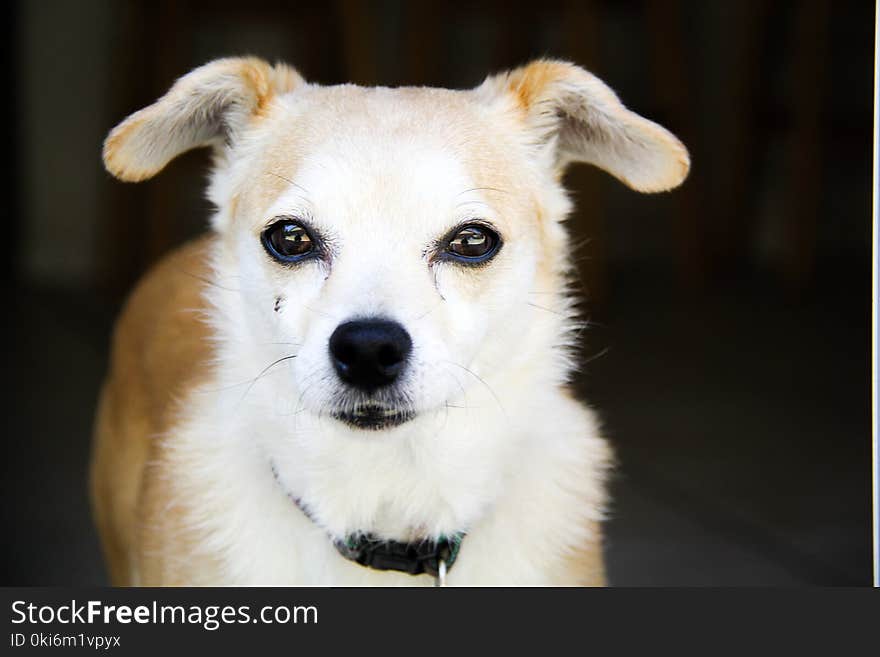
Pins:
x: 359, y: 375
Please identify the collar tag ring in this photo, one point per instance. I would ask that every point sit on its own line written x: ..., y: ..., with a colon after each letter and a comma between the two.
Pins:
x: 441, y: 573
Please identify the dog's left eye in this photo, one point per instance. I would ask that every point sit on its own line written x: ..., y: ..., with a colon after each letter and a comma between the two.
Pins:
x: 473, y: 243
x: 288, y: 241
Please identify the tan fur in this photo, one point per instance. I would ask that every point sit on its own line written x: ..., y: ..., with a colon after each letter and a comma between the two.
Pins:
x: 548, y: 92
x: 530, y: 82
x: 586, y: 565
x: 149, y: 129
x: 160, y: 350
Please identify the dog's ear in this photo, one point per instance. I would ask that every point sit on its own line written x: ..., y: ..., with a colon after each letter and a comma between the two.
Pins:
x: 577, y: 115
x: 208, y: 106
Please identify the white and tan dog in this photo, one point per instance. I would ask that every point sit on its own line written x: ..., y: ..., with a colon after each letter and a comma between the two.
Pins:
x: 371, y: 347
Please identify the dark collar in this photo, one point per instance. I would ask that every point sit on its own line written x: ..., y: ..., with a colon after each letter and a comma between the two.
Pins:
x: 416, y: 558
x: 419, y: 558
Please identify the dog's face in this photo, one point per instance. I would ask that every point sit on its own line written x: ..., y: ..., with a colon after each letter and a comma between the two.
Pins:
x: 390, y: 251
x: 395, y: 238
x: 402, y: 245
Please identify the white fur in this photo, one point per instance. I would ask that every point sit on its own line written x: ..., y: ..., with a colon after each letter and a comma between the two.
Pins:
x: 497, y: 449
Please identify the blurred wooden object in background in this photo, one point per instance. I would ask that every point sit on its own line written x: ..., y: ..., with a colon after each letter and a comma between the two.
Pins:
x: 804, y: 184
x: 717, y: 103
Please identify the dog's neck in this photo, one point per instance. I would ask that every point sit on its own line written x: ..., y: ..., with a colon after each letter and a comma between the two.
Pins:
x: 433, y: 478
x: 436, y: 475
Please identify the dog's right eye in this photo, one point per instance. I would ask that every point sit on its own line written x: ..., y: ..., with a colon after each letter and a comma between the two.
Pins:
x: 288, y: 241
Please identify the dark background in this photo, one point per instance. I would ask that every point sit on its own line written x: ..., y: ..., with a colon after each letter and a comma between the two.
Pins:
x: 730, y: 340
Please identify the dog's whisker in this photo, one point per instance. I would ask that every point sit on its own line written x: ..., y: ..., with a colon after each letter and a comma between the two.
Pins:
x: 577, y: 245
x: 290, y: 182
x: 461, y: 387
x: 463, y: 203
x: 481, y: 380
x: 478, y: 189
x: 428, y: 312
x: 445, y: 415
x: 306, y: 382
x: 549, y: 310
x: 264, y: 372
x: 596, y: 356
x: 208, y: 281
x: 583, y: 326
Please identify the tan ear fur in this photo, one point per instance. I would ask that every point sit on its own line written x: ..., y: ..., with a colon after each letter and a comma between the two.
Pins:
x: 209, y: 105
x: 562, y: 101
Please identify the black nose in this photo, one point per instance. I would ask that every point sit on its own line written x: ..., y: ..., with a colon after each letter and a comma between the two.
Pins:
x: 371, y: 353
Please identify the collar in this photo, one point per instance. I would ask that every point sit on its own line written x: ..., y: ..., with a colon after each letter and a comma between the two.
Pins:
x: 428, y: 556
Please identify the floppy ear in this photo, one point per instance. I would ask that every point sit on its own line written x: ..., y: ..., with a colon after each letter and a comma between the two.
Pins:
x: 563, y: 102
x: 208, y: 106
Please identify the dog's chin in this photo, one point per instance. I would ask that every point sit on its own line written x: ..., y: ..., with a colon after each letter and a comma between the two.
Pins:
x: 373, y: 417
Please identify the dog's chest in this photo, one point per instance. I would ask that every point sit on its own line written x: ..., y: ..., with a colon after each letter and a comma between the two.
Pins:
x: 520, y: 519
x: 283, y: 546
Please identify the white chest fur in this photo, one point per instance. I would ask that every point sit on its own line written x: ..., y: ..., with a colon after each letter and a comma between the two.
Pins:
x: 525, y: 491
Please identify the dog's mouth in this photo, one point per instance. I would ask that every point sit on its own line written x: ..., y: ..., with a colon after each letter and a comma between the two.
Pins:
x: 374, y: 417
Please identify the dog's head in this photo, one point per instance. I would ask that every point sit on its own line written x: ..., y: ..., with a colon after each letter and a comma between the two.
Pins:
x: 403, y: 245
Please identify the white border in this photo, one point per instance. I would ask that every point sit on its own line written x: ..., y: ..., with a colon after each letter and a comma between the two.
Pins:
x: 874, y: 318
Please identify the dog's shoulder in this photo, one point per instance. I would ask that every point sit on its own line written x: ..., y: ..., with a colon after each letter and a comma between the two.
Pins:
x: 162, y: 337
x: 162, y: 347
x: 583, y: 563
